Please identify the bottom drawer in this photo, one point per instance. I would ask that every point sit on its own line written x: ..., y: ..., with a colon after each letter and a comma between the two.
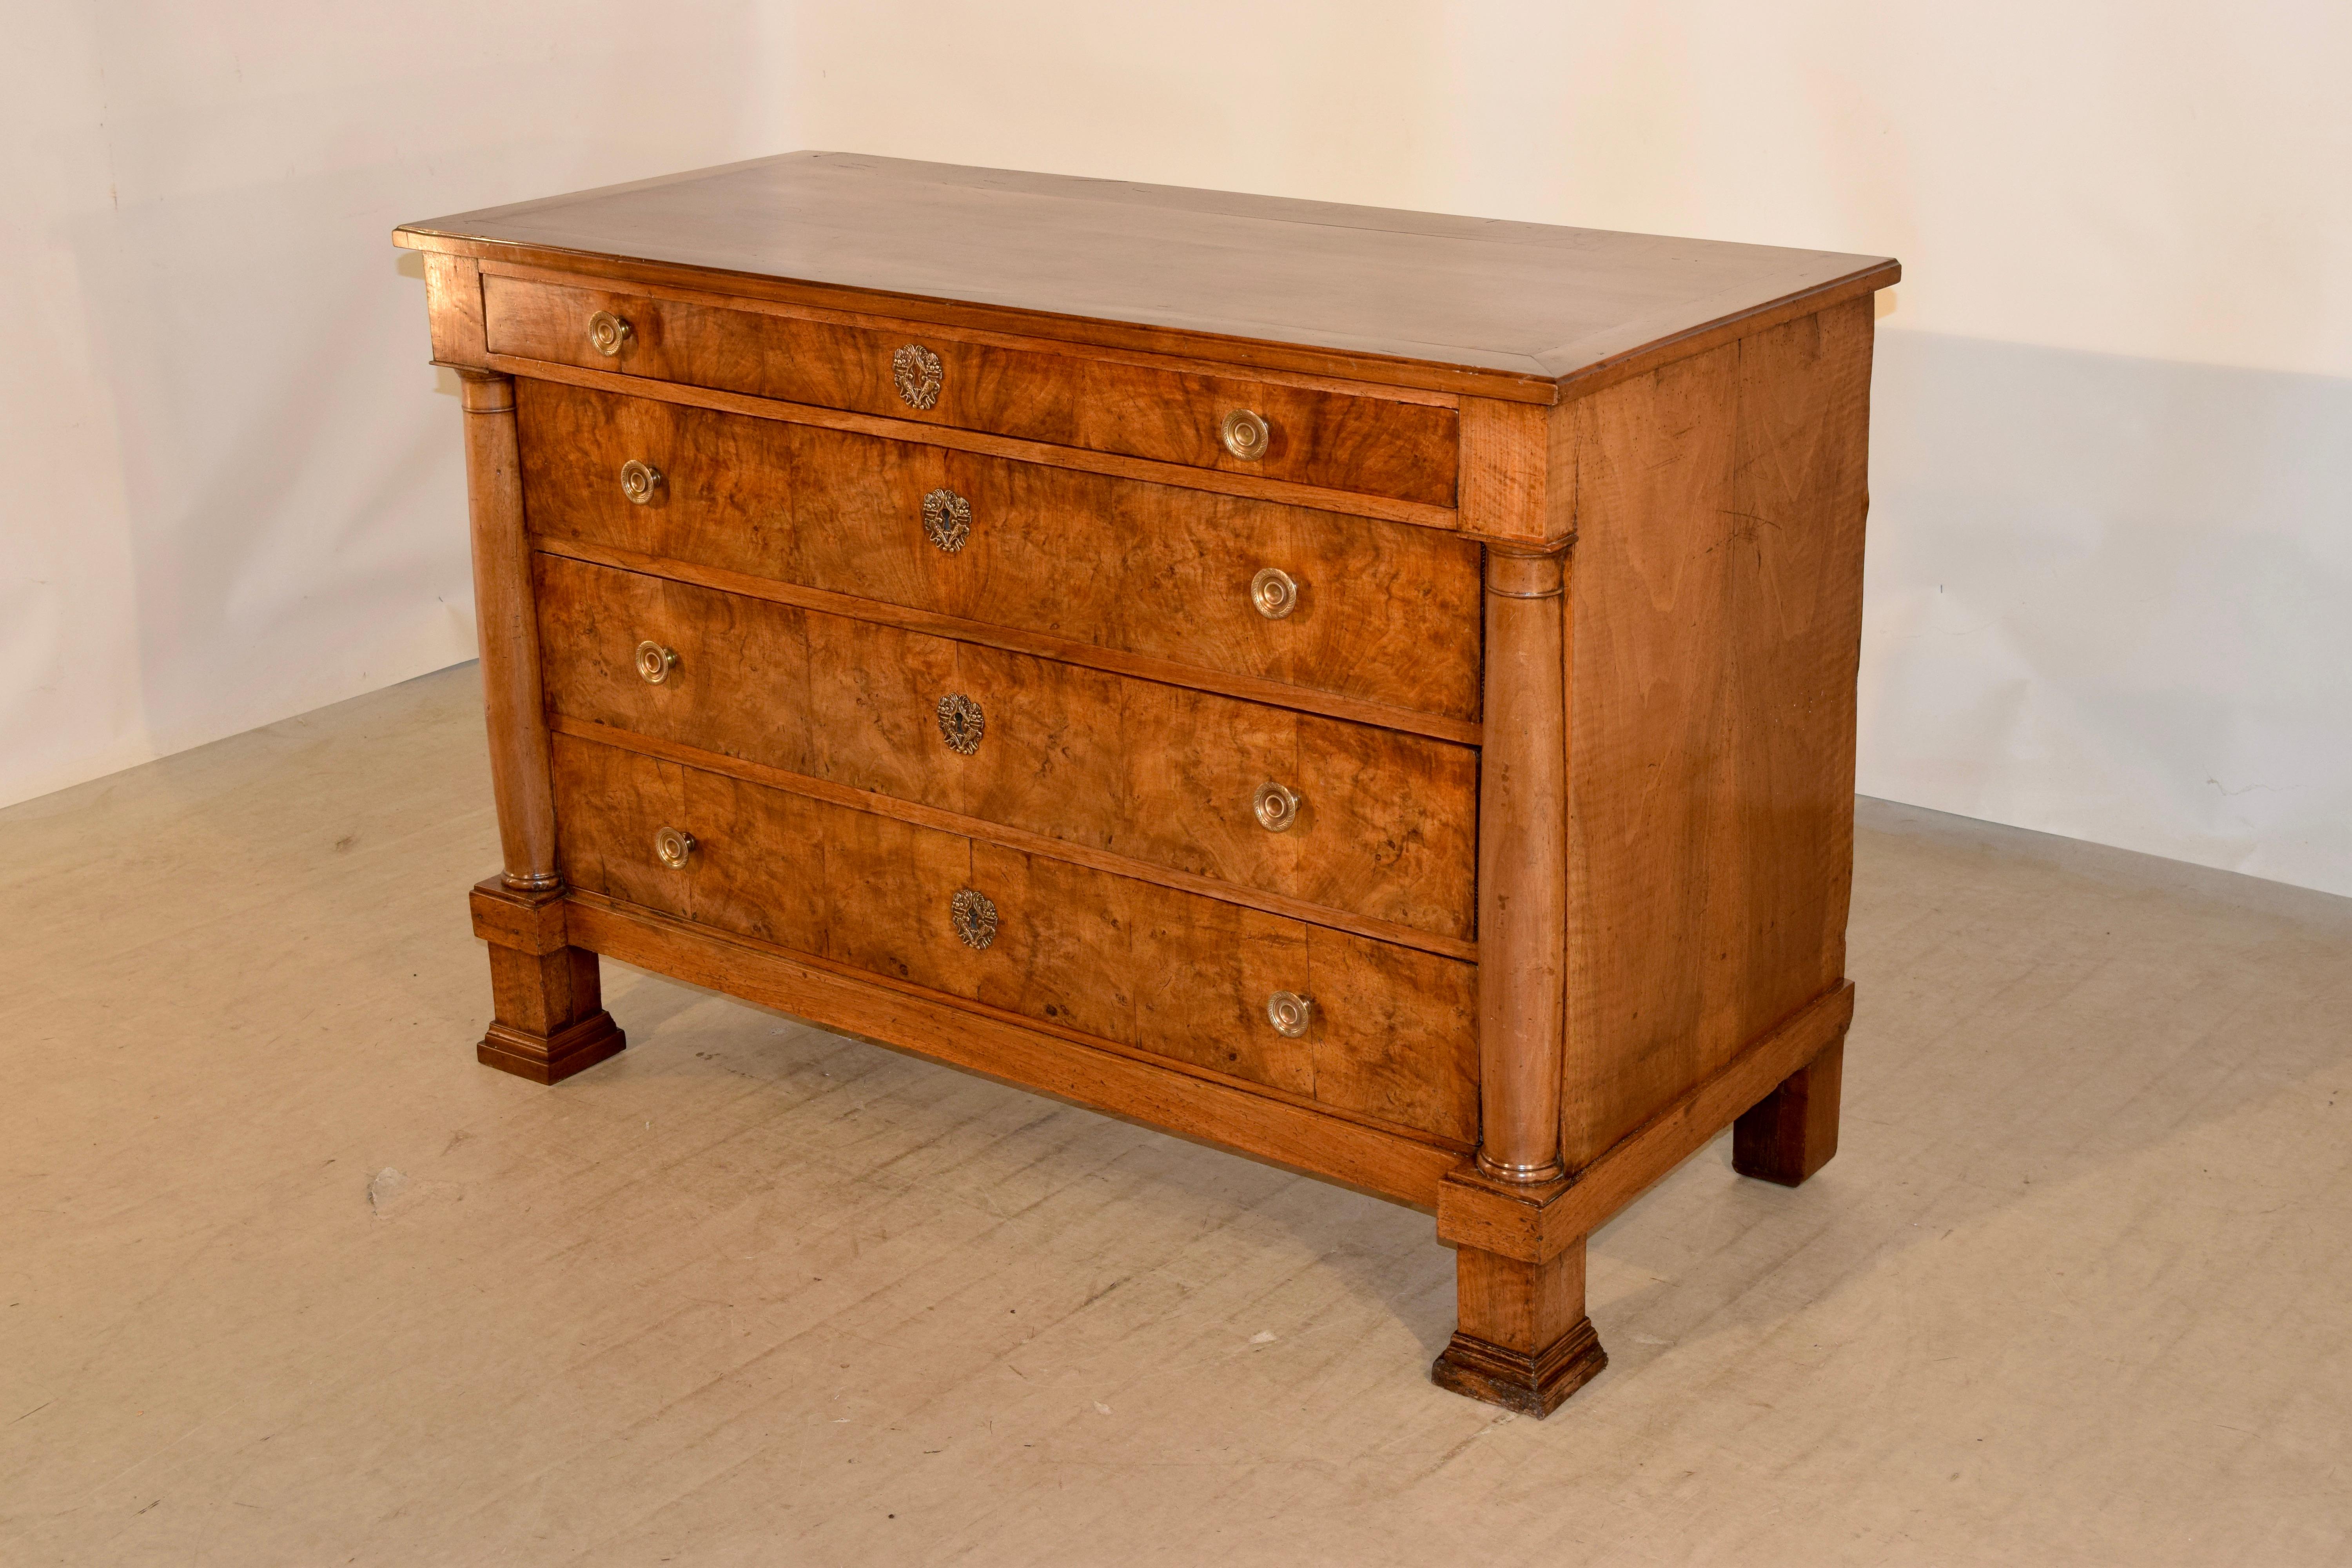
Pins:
x: 1391, y: 1033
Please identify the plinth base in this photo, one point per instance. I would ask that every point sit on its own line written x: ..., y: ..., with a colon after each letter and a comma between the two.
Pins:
x: 1533, y: 1384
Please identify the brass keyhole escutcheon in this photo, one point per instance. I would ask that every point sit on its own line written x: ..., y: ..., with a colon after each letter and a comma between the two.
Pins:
x: 655, y: 662
x: 1273, y: 593
x: 1245, y: 434
x: 962, y: 723
x: 1289, y: 1012
x: 1276, y: 807
x: 639, y: 480
x: 947, y: 519
x: 607, y: 332
x: 919, y: 375
x: 674, y: 848
x: 973, y: 917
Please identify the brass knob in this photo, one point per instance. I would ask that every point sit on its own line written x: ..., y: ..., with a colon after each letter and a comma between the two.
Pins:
x: 673, y: 848
x: 1276, y: 805
x: 919, y: 375
x: 1245, y: 434
x: 639, y: 480
x: 1273, y: 594
x: 947, y: 519
x: 1289, y: 1012
x: 973, y: 917
x: 655, y: 662
x: 607, y: 332
x: 962, y: 723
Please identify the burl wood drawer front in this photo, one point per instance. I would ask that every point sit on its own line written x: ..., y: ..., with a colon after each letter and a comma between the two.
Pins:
x: 1390, y: 1035
x: 1369, y: 821
x: 1342, y: 440
x: 1383, y: 611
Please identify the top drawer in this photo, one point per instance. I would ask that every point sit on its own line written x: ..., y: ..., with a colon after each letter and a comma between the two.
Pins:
x: 1340, y: 440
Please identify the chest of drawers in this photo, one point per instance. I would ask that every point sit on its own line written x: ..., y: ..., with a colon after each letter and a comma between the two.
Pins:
x: 1369, y: 690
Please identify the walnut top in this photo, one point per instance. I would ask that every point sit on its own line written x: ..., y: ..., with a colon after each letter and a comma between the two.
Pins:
x: 1517, y: 310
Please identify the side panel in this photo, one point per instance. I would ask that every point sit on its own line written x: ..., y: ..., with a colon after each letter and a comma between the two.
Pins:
x: 1719, y: 505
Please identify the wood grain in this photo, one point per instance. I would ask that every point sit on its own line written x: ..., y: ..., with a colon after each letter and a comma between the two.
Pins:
x: 508, y: 631
x: 1334, y: 440
x: 1386, y: 613
x: 548, y: 1020
x: 1505, y: 309
x: 1523, y: 916
x: 1395, y: 1034
x: 1279, y: 1131
x: 1133, y: 768
x: 1520, y: 1306
x: 1718, y: 507
x: 737, y: 297
x: 528, y: 922
x: 951, y: 438
x: 1506, y: 492
x: 1017, y: 838
x: 981, y: 633
x: 453, y: 306
x: 1524, y: 1341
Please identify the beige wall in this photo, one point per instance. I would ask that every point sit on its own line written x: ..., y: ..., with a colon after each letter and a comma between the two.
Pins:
x: 2110, y: 585
x: 2112, y: 539
x: 2160, y: 181
x: 233, y: 494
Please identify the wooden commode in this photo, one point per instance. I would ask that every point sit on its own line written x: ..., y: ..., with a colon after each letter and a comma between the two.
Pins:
x: 1369, y: 690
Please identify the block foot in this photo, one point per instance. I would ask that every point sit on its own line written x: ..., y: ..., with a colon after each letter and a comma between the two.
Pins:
x: 1792, y: 1131
x: 549, y: 1020
x: 1524, y: 1341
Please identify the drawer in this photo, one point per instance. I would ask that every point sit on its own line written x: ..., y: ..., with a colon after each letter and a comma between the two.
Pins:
x: 1384, y: 823
x: 1384, y: 612
x: 1342, y: 440
x: 1391, y: 1035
